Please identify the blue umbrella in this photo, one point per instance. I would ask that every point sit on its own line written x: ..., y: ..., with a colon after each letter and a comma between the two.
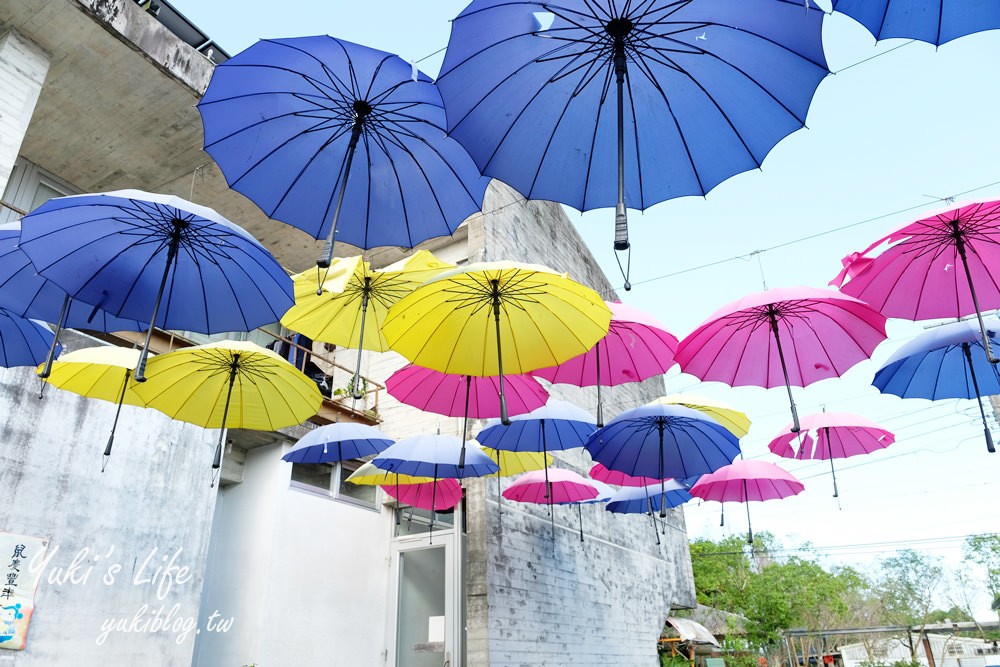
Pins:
x: 949, y: 361
x: 337, y: 442
x: 649, y: 499
x: 128, y: 251
x: 24, y: 292
x: 555, y: 426
x: 340, y: 140
x: 932, y: 21
x: 661, y: 440
x: 703, y: 89
x: 23, y: 342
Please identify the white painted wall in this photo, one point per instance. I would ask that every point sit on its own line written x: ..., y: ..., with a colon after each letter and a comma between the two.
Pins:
x: 948, y: 651
x: 23, y: 67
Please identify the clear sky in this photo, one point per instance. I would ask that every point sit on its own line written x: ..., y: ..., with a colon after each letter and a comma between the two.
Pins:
x: 897, y: 129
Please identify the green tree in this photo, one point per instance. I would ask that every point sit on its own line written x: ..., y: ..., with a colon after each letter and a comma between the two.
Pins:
x: 983, y: 553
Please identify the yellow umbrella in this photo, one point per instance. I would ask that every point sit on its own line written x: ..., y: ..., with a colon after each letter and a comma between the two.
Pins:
x: 102, y: 372
x: 354, y: 300
x: 463, y: 321
x: 731, y: 419
x: 370, y: 475
x: 230, y: 384
x: 515, y: 463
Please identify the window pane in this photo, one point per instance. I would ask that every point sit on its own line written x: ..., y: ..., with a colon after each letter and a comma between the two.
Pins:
x: 313, y: 474
x: 366, y: 494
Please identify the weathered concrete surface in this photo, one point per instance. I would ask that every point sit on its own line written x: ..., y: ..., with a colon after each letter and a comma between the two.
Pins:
x: 23, y: 67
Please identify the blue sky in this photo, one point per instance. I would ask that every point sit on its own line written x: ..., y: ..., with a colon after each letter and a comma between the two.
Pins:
x: 899, y: 128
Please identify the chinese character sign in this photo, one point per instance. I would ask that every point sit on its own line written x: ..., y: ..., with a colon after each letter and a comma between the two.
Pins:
x: 17, y: 586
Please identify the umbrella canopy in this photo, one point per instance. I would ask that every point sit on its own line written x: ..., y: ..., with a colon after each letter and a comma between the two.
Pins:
x: 646, y: 499
x: 128, y: 250
x: 662, y: 441
x: 601, y: 473
x: 464, y: 395
x: 745, y: 481
x: 23, y: 342
x: 736, y: 422
x: 562, y: 486
x: 337, y: 442
x: 932, y: 21
x: 435, y: 456
x: 555, y: 426
x: 229, y: 384
x: 434, y: 496
x: 703, y: 90
x: 349, y: 308
x: 101, y: 372
x: 343, y: 141
x: 472, y: 320
x: 831, y: 435
x: 635, y: 348
x: 943, y: 265
x: 792, y: 336
x: 369, y: 475
x: 948, y: 361
x: 515, y: 463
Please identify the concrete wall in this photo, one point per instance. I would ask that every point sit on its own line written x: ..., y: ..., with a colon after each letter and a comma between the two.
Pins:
x: 23, y: 67
x: 152, y: 506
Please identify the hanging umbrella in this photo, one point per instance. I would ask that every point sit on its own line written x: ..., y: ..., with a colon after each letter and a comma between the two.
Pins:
x: 158, y: 259
x: 340, y: 140
x: 23, y: 342
x: 354, y: 300
x: 103, y: 372
x: 515, y: 463
x: 744, y: 481
x: 369, y: 475
x: 702, y: 91
x: 635, y: 348
x: 649, y: 499
x: 948, y: 361
x: 932, y: 21
x: 558, y: 486
x: 663, y: 441
x: 435, y: 496
x: 831, y: 435
x: 468, y: 321
x: 736, y: 422
x: 337, y: 442
x: 792, y: 337
x: 601, y: 473
x: 917, y: 276
x: 229, y: 384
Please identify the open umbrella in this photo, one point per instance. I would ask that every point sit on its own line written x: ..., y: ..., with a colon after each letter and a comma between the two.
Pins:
x: 470, y: 320
x: 917, y: 277
x: 745, y: 481
x: 791, y: 336
x: 354, y: 300
x: 158, y: 259
x: 369, y: 475
x: 340, y: 140
x: 932, y: 21
x: 435, y: 496
x: 702, y: 91
x: 337, y: 442
x: 103, y: 372
x: 649, y: 499
x: 635, y: 348
x: 663, y: 441
x: 23, y: 342
x: 558, y: 486
x: 831, y: 435
x: 601, y: 473
x: 229, y: 384
x: 948, y: 361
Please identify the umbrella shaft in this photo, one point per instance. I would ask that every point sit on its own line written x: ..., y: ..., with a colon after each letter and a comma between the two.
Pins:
x: 327, y: 256
x: 504, y: 418
x: 784, y: 370
x: 355, y: 384
x: 217, y: 463
x: 979, y: 399
x: 47, y: 371
x: 175, y: 239
x: 621, y: 218
x: 960, y: 246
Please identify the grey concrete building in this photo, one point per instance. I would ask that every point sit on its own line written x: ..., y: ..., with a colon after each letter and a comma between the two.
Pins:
x: 272, y: 568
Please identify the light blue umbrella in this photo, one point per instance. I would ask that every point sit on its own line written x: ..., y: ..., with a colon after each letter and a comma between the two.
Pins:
x: 22, y: 342
x: 156, y: 258
x: 338, y: 442
x: 661, y: 440
x: 932, y: 21
x: 949, y: 361
x: 649, y: 499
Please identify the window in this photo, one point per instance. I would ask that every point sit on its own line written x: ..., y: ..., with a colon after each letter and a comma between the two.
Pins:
x: 330, y: 480
x: 29, y: 187
x: 954, y: 649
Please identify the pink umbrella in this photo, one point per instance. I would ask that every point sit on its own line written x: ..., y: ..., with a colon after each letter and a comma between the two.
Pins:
x: 561, y: 486
x: 745, y: 481
x: 464, y: 395
x: 635, y: 348
x: 831, y: 435
x: 793, y: 336
x: 917, y: 277
x: 434, y: 496
x: 602, y: 474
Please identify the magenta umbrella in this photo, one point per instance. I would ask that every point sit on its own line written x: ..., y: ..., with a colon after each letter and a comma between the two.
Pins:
x: 464, y: 395
x: 560, y: 486
x: 437, y: 496
x: 745, y: 481
x: 831, y: 435
x: 635, y: 348
x: 602, y: 474
x: 944, y: 265
x: 792, y: 336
